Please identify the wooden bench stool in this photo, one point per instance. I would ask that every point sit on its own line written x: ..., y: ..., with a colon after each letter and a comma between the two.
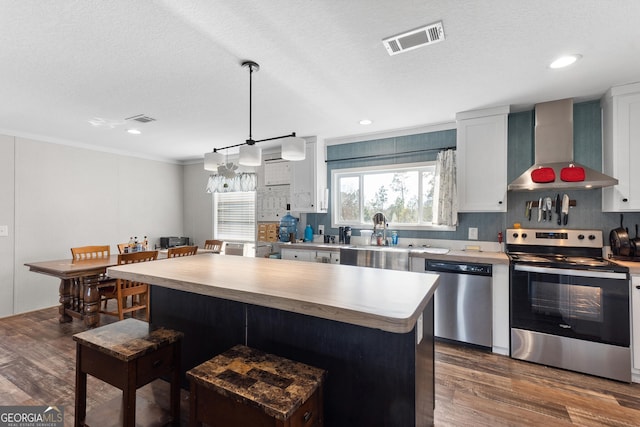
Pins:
x: 127, y: 355
x: 247, y: 387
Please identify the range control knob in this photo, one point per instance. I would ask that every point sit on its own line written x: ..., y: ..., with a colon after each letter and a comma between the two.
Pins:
x: 592, y: 237
x: 515, y: 235
x: 524, y: 235
x: 580, y: 236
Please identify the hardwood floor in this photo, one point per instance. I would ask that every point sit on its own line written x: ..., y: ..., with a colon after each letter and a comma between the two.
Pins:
x: 473, y: 388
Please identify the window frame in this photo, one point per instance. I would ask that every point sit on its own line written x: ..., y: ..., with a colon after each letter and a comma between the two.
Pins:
x: 336, y: 174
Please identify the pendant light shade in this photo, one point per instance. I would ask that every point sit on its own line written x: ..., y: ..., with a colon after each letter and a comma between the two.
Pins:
x: 294, y: 148
x: 250, y: 155
x: 212, y: 160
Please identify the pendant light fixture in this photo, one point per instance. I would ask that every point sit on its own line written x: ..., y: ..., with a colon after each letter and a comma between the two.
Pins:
x: 293, y: 147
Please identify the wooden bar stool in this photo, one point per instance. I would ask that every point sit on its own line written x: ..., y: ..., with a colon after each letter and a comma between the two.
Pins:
x: 247, y: 387
x: 127, y: 355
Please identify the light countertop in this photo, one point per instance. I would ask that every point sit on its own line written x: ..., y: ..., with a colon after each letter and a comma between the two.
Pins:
x: 382, y: 299
x: 634, y: 267
x: 419, y: 252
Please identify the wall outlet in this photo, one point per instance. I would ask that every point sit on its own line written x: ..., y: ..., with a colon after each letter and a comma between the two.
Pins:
x: 4, y: 230
x: 473, y: 233
x: 321, y: 229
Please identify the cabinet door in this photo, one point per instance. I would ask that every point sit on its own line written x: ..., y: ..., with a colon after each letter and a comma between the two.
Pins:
x: 621, y: 133
x: 482, y: 164
x: 635, y: 321
x: 309, y: 180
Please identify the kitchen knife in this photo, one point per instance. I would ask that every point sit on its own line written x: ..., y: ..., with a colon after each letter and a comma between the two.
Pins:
x: 547, y: 206
x: 540, y: 208
x: 565, y: 209
x: 559, y: 208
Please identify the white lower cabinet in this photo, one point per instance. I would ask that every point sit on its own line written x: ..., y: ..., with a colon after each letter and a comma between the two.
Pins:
x: 298, y: 254
x: 501, y: 309
x: 635, y: 326
x: 311, y: 255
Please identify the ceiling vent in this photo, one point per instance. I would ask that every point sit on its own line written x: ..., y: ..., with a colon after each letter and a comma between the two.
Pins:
x: 141, y: 118
x: 423, y: 36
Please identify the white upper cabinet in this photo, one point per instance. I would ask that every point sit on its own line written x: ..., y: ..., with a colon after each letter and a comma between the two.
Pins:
x: 621, y: 147
x: 482, y: 160
x: 309, y: 180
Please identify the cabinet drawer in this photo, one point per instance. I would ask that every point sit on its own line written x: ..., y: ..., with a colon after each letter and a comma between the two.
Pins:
x: 309, y: 413
x: 154, y: 364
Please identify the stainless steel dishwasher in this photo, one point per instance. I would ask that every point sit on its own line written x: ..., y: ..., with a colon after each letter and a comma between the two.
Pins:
x: 463, y: 301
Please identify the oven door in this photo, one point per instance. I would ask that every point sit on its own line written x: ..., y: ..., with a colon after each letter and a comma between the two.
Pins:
x: 582, y: 304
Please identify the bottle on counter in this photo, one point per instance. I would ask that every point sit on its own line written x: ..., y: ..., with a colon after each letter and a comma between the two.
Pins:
x: 308, y: 233
x: 347, y: 235
x: 145, y: 244
x: 132, y: 245
x: 288, y: 227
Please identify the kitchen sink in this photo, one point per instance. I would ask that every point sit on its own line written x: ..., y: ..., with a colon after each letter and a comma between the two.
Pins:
x: 376, y: 257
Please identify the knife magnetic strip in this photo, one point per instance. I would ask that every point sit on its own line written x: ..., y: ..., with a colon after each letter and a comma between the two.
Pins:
x: 534, y: 203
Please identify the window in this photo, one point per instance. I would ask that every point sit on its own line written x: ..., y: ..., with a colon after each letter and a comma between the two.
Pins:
x: 405, y: 194
x: 234, y: 216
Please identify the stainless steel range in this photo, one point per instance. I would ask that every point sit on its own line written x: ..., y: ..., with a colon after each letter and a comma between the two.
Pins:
x: 569, y: 307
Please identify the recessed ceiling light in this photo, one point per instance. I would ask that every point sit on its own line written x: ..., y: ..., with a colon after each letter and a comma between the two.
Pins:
x: 565, y: 61
x: 365, y: 122
x: 134, y: 131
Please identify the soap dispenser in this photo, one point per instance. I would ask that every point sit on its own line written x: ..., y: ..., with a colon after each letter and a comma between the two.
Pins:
x: 308, y: 234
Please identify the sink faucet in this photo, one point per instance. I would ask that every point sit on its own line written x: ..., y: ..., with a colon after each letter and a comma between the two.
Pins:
x: 379, y: 220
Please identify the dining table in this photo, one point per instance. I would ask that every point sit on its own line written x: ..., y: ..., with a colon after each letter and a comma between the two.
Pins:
x: 78, y: 298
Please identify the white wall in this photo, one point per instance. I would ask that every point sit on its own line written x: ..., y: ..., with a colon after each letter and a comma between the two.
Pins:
x: 67, y: 196
x: 6, y: 218
x: 198, y: 206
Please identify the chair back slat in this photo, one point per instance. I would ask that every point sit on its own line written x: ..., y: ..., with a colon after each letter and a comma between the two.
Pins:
x: 132, y: 257
x: 91, y: 252
x: 216, y: 245
x: 182, y: 251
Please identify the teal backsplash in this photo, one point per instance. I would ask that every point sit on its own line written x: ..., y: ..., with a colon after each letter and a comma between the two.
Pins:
x: 587, y: 150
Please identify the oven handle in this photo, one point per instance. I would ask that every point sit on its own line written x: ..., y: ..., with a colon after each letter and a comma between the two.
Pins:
x: 571, y: 272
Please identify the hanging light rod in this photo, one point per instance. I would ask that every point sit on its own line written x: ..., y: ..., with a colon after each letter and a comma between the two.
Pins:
x: 252, y: 142
x: 293, y: 148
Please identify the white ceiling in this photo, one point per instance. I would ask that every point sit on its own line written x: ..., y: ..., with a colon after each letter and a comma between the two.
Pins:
x: 323, y: 66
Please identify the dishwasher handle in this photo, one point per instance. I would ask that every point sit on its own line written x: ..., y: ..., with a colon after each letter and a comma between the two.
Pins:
x: 458, y: 267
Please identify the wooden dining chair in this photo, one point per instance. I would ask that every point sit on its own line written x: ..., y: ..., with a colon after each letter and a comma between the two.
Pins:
x: 138, y: 291
x: 82, y: 253
x: 216, y: 245
x: 91, y: 252
x: 182, y: 251
x: 121, y: 247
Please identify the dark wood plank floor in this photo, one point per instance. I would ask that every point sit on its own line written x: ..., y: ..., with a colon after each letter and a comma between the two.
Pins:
x: 473, y: 388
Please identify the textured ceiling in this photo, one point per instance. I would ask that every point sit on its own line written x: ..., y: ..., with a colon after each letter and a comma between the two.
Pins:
x: 323, y: 68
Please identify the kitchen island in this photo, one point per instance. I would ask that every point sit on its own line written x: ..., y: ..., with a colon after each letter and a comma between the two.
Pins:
x: 371, y: 330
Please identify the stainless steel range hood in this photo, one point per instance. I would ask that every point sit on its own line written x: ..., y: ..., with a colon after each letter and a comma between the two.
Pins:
x: 554, y: 149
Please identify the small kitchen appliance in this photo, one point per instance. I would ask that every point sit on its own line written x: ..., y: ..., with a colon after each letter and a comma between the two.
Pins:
x: 170, y: 242
x: 569, y: 307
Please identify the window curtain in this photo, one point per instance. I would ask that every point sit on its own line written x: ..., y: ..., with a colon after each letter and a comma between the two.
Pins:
x: 446, y: 211
x: 240, y: 182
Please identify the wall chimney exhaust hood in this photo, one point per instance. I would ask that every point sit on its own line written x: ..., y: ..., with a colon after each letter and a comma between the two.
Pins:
x: 554, y: 152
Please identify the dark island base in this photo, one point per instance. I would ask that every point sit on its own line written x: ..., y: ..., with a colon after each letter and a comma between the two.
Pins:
x: 375, y: 378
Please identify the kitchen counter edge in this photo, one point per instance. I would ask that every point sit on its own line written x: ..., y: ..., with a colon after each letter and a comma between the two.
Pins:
x: 452, y: 255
